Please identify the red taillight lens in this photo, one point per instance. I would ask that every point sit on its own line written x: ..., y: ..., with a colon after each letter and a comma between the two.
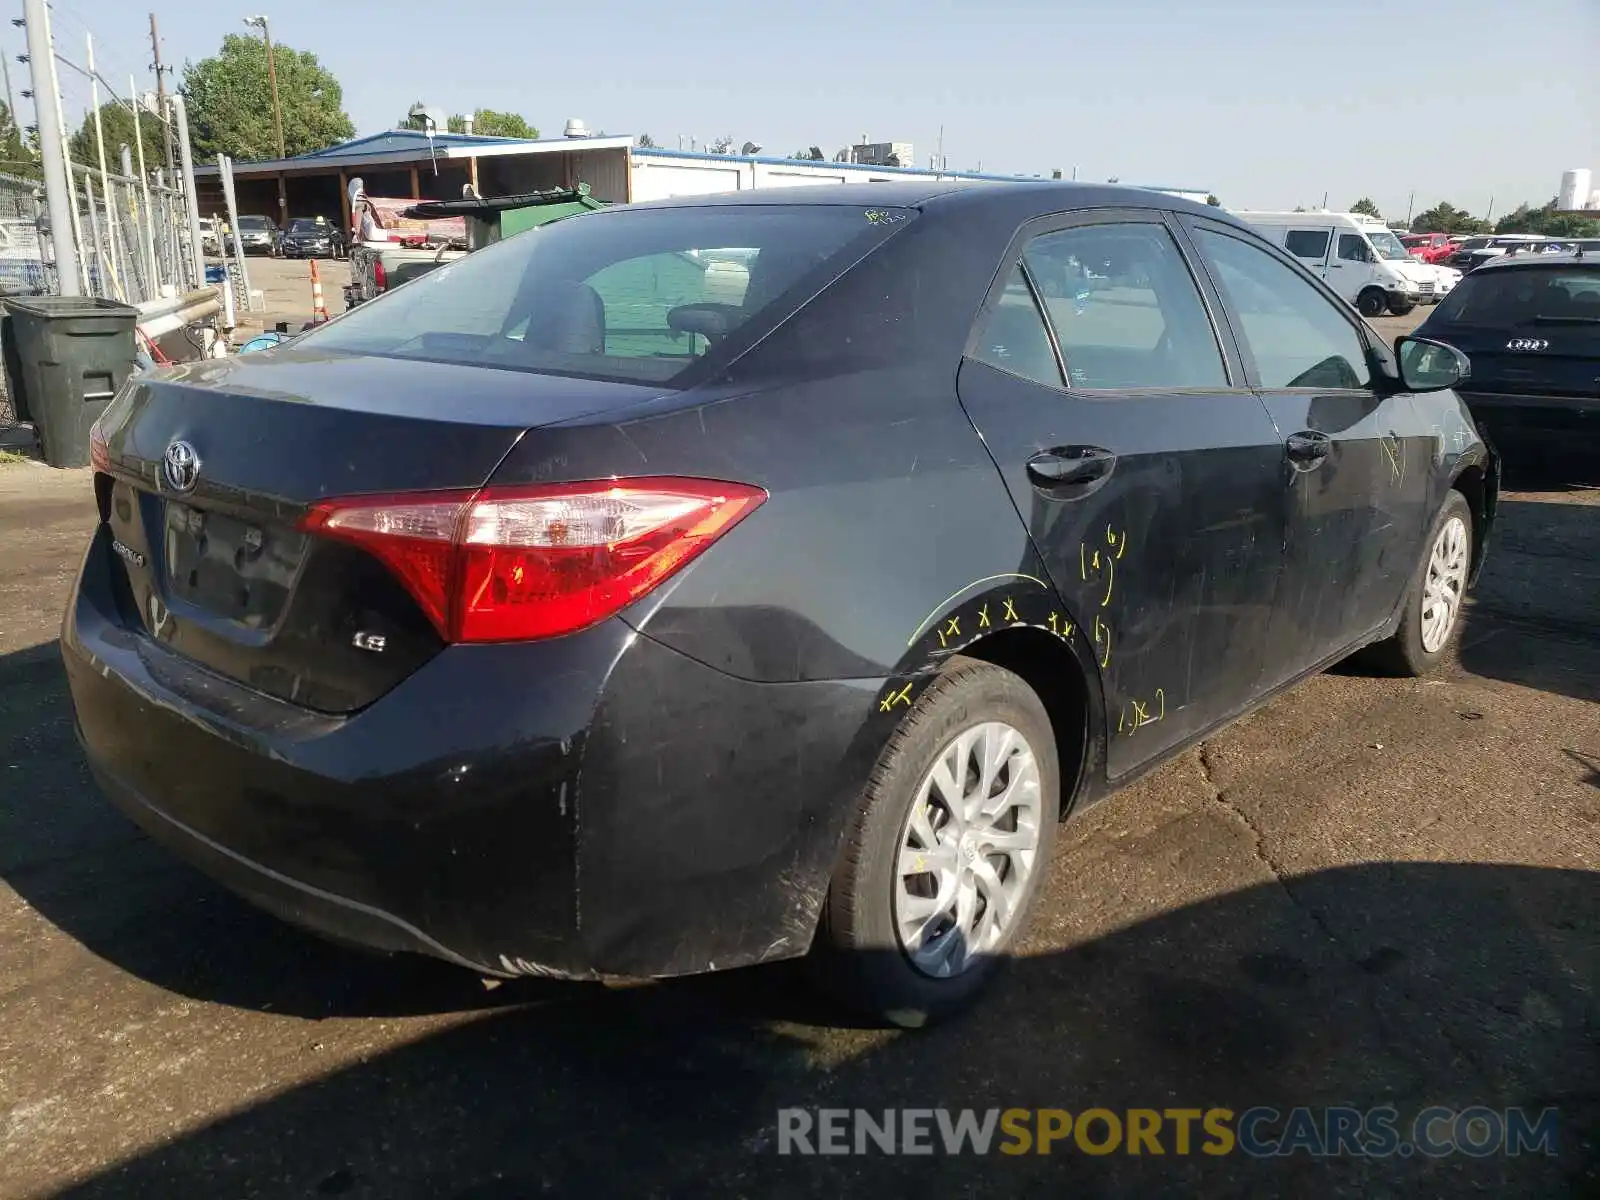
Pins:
x: 513, y: 564
x: 380, y: 277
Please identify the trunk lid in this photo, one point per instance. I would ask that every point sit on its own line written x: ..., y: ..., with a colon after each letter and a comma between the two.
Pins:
x: 210, y: 560
x: 1530, y: 359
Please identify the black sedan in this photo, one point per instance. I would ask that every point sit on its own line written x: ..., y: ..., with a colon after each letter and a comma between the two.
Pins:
x: 1531, y: 325
x: 307, y: 237
x: 739, y: 578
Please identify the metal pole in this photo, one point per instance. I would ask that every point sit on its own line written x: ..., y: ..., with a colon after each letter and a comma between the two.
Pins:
x: 144, y: 184
x: 191, y: 201
x: 105, y: 183
x: 97, y: 279
x: 272, y: 75
x: 225, y: 170
x: 58, y: 186
x: 161, y: 97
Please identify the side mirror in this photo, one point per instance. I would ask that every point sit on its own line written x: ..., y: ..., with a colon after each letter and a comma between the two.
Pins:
x: 1430, y: 366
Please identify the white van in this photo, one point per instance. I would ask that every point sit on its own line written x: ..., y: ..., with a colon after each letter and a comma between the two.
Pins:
x: 1359, y: 256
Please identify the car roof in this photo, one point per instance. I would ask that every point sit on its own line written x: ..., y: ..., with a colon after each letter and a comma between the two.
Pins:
x: 1511, y: 262
x: 1007, y: 200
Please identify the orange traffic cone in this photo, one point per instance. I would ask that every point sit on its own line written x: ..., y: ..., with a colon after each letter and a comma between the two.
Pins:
x: 319, y: 308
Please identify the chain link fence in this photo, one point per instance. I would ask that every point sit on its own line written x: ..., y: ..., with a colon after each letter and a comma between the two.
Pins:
x: 132, y: 242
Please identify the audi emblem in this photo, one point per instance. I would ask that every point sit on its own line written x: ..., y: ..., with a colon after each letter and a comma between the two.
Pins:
x: 1527, y: 344
x: 181, y: 466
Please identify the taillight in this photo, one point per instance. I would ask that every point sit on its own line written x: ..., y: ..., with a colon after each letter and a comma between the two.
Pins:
x: 517, y: 563
x: 380, y: 277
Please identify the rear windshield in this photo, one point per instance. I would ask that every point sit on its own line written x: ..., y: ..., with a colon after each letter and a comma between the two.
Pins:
x: 647, y: 295
x: 1513, y: 297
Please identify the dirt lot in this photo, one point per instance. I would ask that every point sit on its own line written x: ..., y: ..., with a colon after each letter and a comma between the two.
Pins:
x: 1370, y: 892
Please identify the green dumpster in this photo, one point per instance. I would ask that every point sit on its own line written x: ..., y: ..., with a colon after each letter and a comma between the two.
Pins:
x: 75, y: 352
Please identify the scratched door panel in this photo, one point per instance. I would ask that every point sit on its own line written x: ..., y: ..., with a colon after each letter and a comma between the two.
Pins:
x: 1168, y: 567
x: 1351, y: 544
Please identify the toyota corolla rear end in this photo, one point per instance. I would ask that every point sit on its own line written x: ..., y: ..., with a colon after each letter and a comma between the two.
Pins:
x: 353, y: 631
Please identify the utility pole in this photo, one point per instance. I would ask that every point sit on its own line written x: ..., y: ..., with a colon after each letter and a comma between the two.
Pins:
x: 260, y: 22
x: 11, y: 100
x: 1411, y: 202
x: 161, y: 98
x: 57, y: 182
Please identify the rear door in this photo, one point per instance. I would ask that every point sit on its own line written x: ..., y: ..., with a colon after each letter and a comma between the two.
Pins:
x: 1356, y: 463
x: 1147, y: 472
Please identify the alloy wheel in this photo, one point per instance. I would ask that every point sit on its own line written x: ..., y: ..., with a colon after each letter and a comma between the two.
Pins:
x: 968, y: 849
x: 1445, y: 584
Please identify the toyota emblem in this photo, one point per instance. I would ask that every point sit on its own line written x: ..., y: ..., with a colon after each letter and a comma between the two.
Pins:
x: 1527, y: 344
x: 181, y: 466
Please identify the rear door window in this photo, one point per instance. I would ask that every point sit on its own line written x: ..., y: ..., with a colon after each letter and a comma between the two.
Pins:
x: 1125, y: 310
x: 640, y: 294
x: 1309, y: 244
x: 1013, y: 335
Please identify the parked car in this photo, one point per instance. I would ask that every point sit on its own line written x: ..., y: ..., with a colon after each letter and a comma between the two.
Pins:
x: 209, y: 241
x: 311, y: 237
x: 257, y: 235
x: 1473, y: 252
x: 1357, y: 255
x: 551, y: 619
x: 1531, y: 325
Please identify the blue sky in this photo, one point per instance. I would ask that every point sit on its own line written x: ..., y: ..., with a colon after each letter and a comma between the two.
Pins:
x: 1269, y: 104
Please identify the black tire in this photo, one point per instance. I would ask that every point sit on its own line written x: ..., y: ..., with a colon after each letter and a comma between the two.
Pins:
x: 1401, y: 309
x: 1405, y: 653
x: 1372, y: 302
x: 857, y: 956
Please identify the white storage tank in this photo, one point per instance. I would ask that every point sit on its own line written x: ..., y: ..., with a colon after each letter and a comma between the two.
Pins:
x: 1574, y: 189
x: 1594, y: 199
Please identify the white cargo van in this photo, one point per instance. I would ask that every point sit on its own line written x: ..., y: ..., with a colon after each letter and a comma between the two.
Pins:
x: 1359, y: 256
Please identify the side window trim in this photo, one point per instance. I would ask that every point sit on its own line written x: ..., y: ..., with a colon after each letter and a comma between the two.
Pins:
x: 1235, y: 366
x: 1044, y: 315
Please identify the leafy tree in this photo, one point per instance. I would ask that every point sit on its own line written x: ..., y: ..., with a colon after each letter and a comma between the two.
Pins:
x: 117, y: 123
x: 1367, y: 208
x: 645, y: 142
x: 1447, y: 218
x: 18, y: 155
x: 1213, y: 201
x: 1546, y: 220
x: 489, y: 123
x: 723, y: 145
x: 230, y: 101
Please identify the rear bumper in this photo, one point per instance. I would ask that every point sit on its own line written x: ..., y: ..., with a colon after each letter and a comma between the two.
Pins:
x: 1535, y: 415
x: 596, y: 804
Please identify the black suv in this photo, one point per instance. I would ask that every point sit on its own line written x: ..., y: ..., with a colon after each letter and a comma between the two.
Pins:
x: 1531, y: 325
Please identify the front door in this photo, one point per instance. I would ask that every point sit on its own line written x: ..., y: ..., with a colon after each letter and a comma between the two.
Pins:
x: 1351, y: 265
x: 1148, y: 474
x: 1356, y: 464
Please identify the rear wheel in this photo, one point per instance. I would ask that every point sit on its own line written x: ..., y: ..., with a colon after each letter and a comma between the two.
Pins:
x: 945, y: 858
x: 1432, y: 617
x: 1372, y: 302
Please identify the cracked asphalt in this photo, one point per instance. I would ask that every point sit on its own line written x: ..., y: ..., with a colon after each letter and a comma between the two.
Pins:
x: 1370, y: 892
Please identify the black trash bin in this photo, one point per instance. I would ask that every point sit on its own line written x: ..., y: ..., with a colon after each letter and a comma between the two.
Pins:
x: 75, y: 352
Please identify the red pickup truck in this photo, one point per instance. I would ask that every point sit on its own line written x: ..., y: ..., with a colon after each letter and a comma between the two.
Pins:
x: 1428, y: 247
